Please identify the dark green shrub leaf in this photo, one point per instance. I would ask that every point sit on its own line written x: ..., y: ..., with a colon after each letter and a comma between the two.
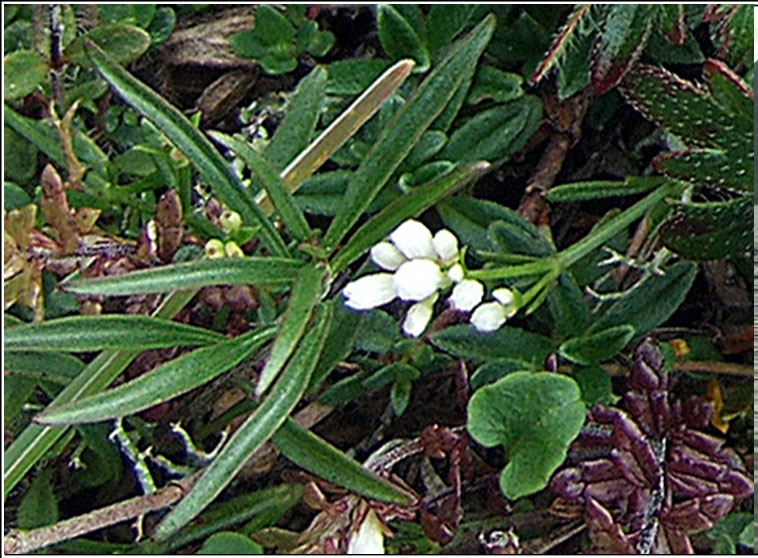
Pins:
x: 92, y: 333
x: 651, y: 302
x: 493, y: 370
x: 20, y: 164
x: 39, y: 506
x: 518, y: 236
x: 399, y: 37
x: 568, y: 307
x: 598, y: 189
x: 735, y: 529
x: 59, y: 368
x: 353, y: 75
x: 227, y: 542
x: 493, y: 84
x: 535, y: 416
x: 123, y: 42
x: 272, y: 42
x: 23, y: 71
x: 377, y: 332
x: 394, y: 372
x: 465, y: 341
x: 598, y: 347
x: 400, y: 395
x: 444, y: 22
x: 595, y: 384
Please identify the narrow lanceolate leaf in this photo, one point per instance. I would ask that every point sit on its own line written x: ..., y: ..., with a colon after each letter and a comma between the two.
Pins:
x: 35, y: 441
x: 92, y: 333
x: 403, y: 208
x: 165, y: 382
x: 256, y: 430
x: 317, y: 456
x: 346, y: 124
x: 277, y: 190
x: 405, y: 128
x: 59, y: 368
x: 305, y: 295
x: 192, y: 275
x: 597, y: 189
x: 195, y: 145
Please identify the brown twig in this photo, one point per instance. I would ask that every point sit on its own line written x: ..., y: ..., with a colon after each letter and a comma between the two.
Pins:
x: 19, y: 541
x: 720, y: 368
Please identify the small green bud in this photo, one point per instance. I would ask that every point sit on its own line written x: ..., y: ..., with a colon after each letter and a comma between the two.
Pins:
x: 233, y: 250
x: 230, y: 220
x: 214, y: 248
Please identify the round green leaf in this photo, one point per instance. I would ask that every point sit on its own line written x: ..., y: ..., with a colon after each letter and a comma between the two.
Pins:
x: 598, y: 347
x: 535, y: 416
x: 125, y: 43
x: 227, y: 542
x: 23, y: 71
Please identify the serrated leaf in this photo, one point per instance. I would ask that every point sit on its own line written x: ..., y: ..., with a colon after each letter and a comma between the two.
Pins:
x: 305, y: 295
x: 192, y: 275
x: 405, y: 128
x: 23, y: 71
x: 598, y: 347
x: 465, y: 341
x: 228, y: 542
x: 161, y: 384
x: 496, y: 133
x: 400, y: 39
x: 535, y: 416
x: 651, y: 302
x: 196, y: 147
x: 256, y: 430
x: 92, y: 333
x: 409, y: 205
x: 317, y: 456
x: 710, y: 230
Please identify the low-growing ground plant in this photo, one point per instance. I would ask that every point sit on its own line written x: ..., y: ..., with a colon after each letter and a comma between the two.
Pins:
x: 389, y: 278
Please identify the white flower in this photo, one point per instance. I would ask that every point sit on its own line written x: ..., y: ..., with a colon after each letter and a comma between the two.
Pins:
x: 387, y: 256
x: 370, y: 291
x: 418, y: 316
x: 446, y: 245
x: 414, y: 240
x: 370, y: 537
x: 508, y: 299
x: 489, y: 316
x: 455, y: 273
x: 467, y: 294
x: 417, y: 279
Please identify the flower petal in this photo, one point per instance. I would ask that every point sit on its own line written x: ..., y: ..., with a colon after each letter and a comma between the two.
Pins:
x: 418, y: 316
x: 386, y: 256
x: 467, y: 294
x: 369, y: 291
x: 446, y: 245
x: 417, y: 279
x: 509, y: 299
x: 455, y: 273
x: 414, y: 240
x: 370, y: 537
x: 488, y: 316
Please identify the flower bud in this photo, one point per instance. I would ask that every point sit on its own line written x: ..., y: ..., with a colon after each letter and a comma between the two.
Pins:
x: 488, y: 316
x: 418, y: 316
x: 214, y: 248
x: 230, y: 220
x: 455, y: 273
x: 446, y: 245
x: 467, y: 294
x: 233, y: 250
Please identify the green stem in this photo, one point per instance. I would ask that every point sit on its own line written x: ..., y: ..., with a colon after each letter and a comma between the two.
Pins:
x: 532, y: 268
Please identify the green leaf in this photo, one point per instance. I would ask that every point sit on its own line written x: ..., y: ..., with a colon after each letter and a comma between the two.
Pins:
x: 39, y: 506
x: 496, y: 133
x: 444, y: 22
x: 271, y: 43
x: 493, y: 370
x: 15, y: 197
x: 317, y: 456
x: 595, y: 384
x: 599, y: 189
x: 377, y: 331
x: 165, y: 382
x: 519, y: 236
x: 535, y: 416
x: 399, y: 38
x: 491, y: 83
x: 568, y: 307
x: 343, y: 330
x: 256, y: 430
x: 277, y: 190
x: 123, y: 42
x: 466, y: 342
x: 59, y: 368
x: 191, y: 275
x: 192, y: 143
x: 598, y: 347
x: 92, y: 333
x: 400, y: 396
x: 23, y: 71
x: 354, y: 75
x: 394, y: 372
x: 407, y: 206
x: 405, y: 128
x: 35, y: 441
x: 16, y: 392
x: 651, y: 302
x: 306, y: 293
x: 227, y: 542
x: 734, y: 529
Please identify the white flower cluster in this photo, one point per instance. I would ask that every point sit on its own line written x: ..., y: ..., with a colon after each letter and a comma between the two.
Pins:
x: 418, y: 266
